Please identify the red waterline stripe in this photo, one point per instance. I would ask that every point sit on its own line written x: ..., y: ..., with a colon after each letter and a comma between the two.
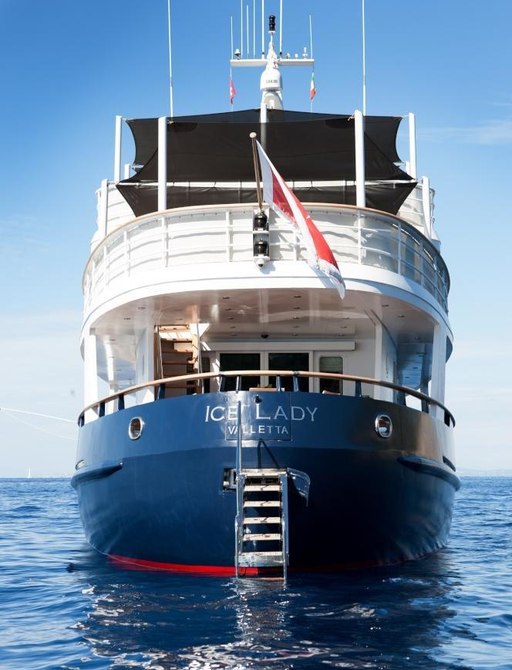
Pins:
x: 229, y: 571
x: 212, y: 570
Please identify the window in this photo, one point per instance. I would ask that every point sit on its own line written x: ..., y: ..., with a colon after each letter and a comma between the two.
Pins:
x: 239, y: 361
x: 331, y: 364
x: 293, y: 361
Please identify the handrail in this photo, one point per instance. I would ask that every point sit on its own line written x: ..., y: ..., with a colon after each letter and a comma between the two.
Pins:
x: 159, y: 385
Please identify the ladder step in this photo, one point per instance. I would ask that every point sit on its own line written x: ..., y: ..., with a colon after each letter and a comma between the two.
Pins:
x: 248, y: 520
x: 262, y: 487
x: 260, y: 558
x: 262, y: 503
x: 261, y: 537
x: 262, y: 472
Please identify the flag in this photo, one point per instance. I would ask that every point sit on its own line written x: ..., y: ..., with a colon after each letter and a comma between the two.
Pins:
x: 232, y: 91
x: 312, y: 87
x: 284, y: 201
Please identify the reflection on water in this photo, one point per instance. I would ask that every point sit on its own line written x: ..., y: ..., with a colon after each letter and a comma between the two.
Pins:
x: 387, y: 618
x: 452, y: 610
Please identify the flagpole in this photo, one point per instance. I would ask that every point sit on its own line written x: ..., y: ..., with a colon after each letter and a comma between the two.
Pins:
x: 312, y: 58
x: 311, y: 38
x: 231, y: 36
x: 256, y: 170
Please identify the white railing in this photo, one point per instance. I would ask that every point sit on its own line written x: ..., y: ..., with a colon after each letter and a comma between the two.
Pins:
x: 220, y: 234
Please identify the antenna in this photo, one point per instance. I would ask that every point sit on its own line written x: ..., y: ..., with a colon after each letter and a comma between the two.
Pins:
x: 363, y: 27
x: 248, y: 48
x: 242, y: 27
x: 262, y: 28
x: 171, y: 100
x: 270, y: 81
x: 280, y: 28
x: 311, y: 38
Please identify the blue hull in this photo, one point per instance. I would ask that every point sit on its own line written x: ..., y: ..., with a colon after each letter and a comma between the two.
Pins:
x: 163, y: 500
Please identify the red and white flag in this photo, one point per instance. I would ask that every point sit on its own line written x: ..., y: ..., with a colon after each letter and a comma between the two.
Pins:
x: 232, y: 90
x: 312, y: 87
x: 284, y: 201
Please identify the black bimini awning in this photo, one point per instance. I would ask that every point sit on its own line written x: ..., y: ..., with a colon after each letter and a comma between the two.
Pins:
x: 206, y: 153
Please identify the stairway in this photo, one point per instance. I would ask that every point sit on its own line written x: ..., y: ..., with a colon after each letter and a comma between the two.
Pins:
x: 262, y: 519
x: 176, y: 357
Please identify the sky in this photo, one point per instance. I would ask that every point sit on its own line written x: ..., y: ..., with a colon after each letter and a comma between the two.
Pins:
x: 68, y: 67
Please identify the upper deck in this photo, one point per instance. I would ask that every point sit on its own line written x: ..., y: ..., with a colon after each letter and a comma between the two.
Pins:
x: 201, y: 248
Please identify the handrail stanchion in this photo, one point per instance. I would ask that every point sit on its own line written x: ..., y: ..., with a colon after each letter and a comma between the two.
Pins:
x: 295, y: 379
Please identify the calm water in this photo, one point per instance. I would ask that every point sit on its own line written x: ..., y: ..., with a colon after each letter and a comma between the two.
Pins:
x: 63, y: 606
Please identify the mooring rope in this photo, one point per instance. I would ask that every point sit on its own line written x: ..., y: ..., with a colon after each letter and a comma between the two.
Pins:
x: 11, y: 412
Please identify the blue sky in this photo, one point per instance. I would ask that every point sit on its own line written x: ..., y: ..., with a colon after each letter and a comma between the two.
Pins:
x: 69, y: 67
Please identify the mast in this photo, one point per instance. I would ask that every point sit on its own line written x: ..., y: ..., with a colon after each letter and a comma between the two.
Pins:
x: 271, y: 81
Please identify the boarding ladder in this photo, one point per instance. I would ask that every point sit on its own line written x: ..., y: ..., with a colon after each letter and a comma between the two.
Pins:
x: 261, y: 524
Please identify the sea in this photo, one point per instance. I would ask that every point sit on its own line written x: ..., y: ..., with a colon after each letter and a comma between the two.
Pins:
x: 63, y: 606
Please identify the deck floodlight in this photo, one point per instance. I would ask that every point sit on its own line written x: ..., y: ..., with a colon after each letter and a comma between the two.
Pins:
x: 260, y: 238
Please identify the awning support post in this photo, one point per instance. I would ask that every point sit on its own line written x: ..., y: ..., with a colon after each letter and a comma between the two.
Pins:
x: 360, y: 166
x: 413, y: 169
x: 117, y: 149
x: 162, y: 163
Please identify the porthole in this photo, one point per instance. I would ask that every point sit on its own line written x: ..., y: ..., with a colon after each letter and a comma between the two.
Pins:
x: 135, y: 428
x: 383, y: 425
